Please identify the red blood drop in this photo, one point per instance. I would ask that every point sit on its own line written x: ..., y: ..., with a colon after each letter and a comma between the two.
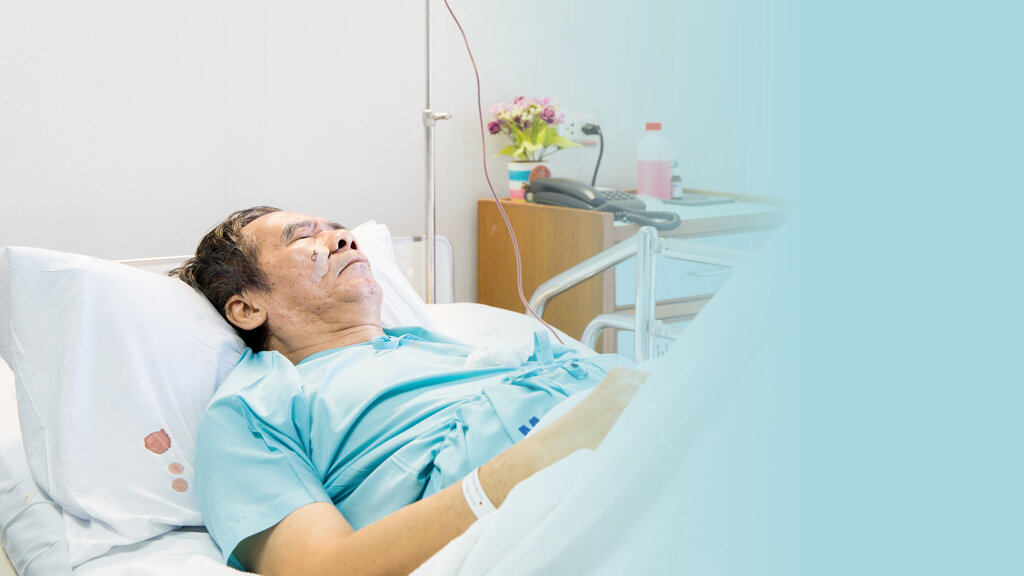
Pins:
x: 158, y: 442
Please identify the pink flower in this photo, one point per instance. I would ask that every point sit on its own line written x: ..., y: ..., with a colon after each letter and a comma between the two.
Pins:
x: 525, y: 122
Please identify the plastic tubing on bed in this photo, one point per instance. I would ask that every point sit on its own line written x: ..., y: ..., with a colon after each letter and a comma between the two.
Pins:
x: 487, y: 176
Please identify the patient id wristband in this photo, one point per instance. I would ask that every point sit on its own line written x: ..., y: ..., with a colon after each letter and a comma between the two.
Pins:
x: 477, y: 499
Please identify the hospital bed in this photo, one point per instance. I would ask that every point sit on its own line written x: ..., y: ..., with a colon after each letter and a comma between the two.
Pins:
x: 43, y: 537
x: 60, y: 295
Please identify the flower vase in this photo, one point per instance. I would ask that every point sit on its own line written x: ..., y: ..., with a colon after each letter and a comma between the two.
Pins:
x: 519, y: 175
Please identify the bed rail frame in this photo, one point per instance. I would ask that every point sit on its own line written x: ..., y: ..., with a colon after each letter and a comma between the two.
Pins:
x: 645, y: 245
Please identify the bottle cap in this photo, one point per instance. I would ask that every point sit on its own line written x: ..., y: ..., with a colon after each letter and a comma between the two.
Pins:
x: 654, y: 125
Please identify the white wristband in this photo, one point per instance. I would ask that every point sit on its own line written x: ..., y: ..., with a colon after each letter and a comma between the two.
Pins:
x: 477, y: 499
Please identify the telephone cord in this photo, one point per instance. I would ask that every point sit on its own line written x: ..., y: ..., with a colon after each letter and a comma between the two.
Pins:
x: 658, y: 220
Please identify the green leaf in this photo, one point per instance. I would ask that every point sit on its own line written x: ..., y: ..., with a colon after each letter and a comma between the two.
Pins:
x: 506, y: 151
x: 549, y: 137
x: 562, y: 142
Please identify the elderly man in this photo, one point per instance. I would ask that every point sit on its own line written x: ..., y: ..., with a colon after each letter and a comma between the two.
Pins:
x: 336, y: 446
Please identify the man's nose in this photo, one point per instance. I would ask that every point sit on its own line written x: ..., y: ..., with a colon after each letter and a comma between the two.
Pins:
x: 341, y: 240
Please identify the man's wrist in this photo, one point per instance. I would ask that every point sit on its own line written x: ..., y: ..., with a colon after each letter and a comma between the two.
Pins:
x: 475, y: 495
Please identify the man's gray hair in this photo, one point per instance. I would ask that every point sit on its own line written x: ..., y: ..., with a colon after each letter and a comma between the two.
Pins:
x: 226, y: 264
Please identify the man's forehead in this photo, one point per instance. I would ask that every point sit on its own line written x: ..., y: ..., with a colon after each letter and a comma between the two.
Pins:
x: 276, y: 225
x: 276, y: 220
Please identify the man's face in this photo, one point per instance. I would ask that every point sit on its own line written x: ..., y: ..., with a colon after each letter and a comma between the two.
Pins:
x: 316, y: 274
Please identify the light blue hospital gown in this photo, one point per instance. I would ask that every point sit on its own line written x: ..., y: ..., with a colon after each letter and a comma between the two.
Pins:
x: 371, y: 427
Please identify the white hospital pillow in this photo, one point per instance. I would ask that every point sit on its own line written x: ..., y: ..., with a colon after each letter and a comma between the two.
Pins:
x: 402, y: 305
x: 8, y: 403
x: 30, y: 523
x: 114, y: 367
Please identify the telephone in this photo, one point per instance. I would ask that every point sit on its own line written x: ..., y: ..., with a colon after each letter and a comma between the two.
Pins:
x: 574, y: 194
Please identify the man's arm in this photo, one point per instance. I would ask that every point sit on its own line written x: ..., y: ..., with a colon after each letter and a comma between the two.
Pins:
x: 316, y: 539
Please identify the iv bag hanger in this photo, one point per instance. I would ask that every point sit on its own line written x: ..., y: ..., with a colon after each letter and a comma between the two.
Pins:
x: 430, y: 118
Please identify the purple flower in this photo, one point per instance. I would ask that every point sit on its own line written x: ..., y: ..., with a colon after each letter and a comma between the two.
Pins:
x: 519, y: 100
x: 494, y: 127
x: 548, y: 115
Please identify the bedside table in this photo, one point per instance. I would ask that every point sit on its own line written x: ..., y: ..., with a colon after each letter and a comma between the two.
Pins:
x: 553, y: 239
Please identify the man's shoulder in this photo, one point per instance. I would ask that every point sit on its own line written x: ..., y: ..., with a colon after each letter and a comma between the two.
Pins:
x: 257, y: 373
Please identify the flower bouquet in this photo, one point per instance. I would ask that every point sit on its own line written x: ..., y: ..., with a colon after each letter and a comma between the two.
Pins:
x: 532, y: 125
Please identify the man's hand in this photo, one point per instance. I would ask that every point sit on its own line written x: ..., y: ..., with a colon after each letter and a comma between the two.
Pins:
x: 597, y: 413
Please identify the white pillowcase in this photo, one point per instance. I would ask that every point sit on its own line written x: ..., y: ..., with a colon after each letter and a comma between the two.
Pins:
x: 114, y: 369
x: 31, y: 530
x: 402, y: 305
x: 115, y: 366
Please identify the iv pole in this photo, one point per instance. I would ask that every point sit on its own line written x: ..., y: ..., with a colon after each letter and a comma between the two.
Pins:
x: 430, y: 118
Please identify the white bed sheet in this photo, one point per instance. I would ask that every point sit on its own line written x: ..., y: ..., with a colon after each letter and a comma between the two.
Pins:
x: 687, y: 482
x: 186, y: 552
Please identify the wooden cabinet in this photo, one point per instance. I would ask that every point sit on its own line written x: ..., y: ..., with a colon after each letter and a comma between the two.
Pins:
x: 553, y: 239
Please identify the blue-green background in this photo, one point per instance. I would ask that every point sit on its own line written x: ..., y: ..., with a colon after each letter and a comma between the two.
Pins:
x: 901, y: 395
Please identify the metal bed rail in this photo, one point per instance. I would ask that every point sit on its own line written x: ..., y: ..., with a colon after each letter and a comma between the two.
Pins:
x: 645, y: 245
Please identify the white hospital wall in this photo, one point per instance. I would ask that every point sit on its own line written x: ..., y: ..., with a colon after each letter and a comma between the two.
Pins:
x: 128, y: 129
x: 705, y: 69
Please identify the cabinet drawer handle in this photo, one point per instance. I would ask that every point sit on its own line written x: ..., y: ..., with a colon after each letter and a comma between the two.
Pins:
x: 709, y: 273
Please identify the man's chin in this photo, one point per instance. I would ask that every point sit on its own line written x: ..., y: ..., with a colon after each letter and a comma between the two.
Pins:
x: 370, y: 288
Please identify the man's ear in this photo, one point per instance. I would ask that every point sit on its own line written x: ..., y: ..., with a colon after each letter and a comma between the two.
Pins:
x: 244, y: 312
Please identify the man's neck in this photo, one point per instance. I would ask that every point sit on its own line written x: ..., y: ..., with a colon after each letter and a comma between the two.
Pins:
x: 299, y: 352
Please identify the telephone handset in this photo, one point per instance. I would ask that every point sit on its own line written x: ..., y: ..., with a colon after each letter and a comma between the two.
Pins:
x: 574, y: 194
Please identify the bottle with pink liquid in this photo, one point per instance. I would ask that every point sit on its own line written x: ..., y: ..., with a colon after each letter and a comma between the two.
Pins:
x: 654, y: 158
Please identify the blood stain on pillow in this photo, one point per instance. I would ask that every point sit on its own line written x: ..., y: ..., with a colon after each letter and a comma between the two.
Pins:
x: 179, y: 485
x: 175, y: 468
x: 158, y: 442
